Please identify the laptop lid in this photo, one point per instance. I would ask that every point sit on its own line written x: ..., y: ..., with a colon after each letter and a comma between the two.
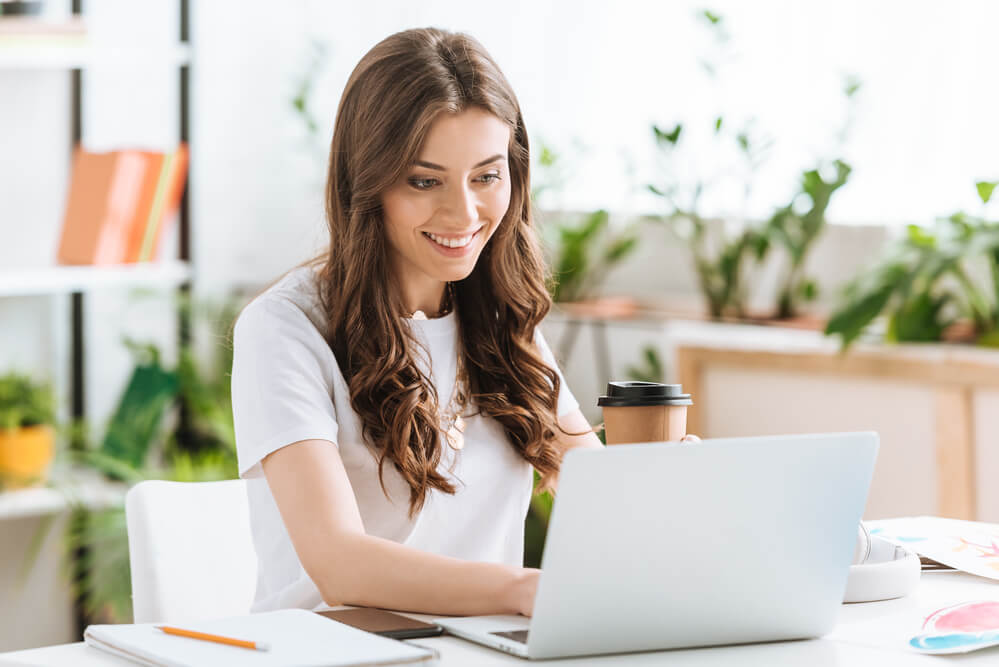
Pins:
x: 655, y: 546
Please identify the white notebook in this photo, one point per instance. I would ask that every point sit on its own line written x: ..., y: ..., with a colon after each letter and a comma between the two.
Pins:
x: 295, y: 637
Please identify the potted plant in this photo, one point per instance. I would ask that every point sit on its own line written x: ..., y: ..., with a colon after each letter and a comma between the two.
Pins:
x: 925, y: 287
x: 797, y: 232
x: 723, y: 260
x: 27, y: 431
x: 725, y: 255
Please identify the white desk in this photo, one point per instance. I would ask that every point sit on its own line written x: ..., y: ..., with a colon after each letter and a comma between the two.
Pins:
x: 854, y: 642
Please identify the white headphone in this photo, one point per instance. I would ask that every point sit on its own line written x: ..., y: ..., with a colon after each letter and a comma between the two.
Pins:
x: 881, y: 570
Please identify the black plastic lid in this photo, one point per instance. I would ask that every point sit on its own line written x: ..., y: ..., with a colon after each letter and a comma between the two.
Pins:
x: 635, y: 394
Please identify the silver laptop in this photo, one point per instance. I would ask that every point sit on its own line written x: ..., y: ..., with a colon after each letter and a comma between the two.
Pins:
x: 658, y: 546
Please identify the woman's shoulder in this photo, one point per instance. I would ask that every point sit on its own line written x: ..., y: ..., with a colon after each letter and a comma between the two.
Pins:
x: 295, y: 294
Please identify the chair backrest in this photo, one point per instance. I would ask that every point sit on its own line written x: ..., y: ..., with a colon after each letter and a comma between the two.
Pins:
x: 191, y: 550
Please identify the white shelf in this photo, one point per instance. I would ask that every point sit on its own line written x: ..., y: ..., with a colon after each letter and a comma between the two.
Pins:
x: 82, y: 488
x: 67, y: 279
x: 55, y: 56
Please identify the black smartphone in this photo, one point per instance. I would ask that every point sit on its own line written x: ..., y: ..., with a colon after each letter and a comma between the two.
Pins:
x: 384, y: 623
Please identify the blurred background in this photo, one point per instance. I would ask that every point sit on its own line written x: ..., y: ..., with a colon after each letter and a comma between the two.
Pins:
x: 786, y: 206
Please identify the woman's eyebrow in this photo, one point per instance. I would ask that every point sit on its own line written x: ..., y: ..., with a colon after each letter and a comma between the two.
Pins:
x: 431, y: 165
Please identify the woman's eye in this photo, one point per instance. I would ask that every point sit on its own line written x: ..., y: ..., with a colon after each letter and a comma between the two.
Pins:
x: 489, y: 178
x: 423, y: 183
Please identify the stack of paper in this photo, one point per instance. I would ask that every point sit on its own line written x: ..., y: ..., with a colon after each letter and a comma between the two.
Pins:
x: 970, y: 546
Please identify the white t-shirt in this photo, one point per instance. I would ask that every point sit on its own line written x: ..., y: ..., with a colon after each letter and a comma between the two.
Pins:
x: 287, y: 387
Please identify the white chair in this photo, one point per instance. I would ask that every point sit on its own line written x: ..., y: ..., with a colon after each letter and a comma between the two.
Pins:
x: 191, y: 550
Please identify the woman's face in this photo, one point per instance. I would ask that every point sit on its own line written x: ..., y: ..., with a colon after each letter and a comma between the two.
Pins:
x: 441, y: 214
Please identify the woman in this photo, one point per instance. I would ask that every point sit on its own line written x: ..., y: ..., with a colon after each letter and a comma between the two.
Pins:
x: 393, y: 397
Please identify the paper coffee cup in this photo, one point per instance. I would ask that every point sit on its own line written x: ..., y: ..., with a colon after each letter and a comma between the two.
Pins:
x: 644, y: 412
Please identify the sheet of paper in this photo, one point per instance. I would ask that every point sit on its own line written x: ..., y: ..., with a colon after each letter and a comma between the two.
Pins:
x: 960, y: 628
x: 969, y: 546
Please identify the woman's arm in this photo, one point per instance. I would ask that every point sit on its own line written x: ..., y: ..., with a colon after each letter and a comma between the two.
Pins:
x: 317, y: 504
x: 577, y: 434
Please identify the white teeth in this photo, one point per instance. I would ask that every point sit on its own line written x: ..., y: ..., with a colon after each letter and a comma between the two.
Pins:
x: 460, y: 242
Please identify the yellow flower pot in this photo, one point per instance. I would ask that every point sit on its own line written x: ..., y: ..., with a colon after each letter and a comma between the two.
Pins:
x: 25, y: 456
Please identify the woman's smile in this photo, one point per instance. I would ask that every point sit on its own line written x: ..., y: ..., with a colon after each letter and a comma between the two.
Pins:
x: 454, y: 245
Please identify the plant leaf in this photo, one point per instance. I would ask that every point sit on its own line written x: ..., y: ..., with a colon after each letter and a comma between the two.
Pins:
x: 712, y: 17
x: 918, y: 320
x: 985, y: 189
x: 134, y: 425
x: 670, y: 138
x: 852, y: 85
x: 620, y: 248
x: 863, y: 305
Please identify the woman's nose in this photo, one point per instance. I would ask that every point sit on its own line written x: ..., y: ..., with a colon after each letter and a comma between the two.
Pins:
x: 463, y: 206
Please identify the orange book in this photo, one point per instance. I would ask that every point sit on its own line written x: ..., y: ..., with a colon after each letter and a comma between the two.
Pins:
x: 150, y: 183
x: 103, y: 197
x: 165, y: 203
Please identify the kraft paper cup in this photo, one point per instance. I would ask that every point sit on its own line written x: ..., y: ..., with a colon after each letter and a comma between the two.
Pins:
x: 644, y: 412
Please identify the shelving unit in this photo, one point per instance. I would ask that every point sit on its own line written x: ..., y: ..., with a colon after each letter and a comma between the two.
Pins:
x: 82, y: 57
x: 80, y: 279
x: 76, y: 281
x: 76, y: 487
x: 85, y: 487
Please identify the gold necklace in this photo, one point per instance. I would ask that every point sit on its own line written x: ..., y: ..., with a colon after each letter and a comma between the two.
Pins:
x: 452, y: 424
x: 447, y: 307
x: 451, y: 421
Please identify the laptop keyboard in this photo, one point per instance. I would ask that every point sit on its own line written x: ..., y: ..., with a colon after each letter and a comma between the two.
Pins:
x: 515, y: 635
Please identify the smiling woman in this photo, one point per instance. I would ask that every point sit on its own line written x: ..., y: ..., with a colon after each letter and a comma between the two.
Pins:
x: 393, y: 397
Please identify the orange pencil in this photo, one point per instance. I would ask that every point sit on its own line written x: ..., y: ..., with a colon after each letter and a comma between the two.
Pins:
x: 259, y: 646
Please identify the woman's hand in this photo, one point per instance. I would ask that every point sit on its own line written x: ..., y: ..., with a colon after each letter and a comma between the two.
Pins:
x: 690, y: 437
x: 524, y: 589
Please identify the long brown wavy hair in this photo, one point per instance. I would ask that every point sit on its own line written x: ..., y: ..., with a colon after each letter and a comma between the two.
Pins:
x: 390, y: 101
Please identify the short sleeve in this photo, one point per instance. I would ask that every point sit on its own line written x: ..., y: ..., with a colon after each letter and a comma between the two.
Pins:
x: 566, y: 401
x: 282, y: 382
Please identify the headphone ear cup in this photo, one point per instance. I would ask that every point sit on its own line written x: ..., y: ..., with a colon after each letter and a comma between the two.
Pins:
x: 888, y: 571
x: 863, y: 549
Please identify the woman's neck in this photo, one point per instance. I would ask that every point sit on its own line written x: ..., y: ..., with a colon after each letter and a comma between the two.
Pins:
x: 428, y: 298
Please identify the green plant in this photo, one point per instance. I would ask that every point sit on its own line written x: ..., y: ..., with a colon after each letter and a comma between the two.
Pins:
x: 797, y: 233
x: 797, y: 230
x: 722, y: 259
x: 651, y: 368
x: 719, y: 258
x: 25, y: 401
x: 924, y: 284
x: 583, y: 249
x: 138, y: 445
x: 585, y: 253
x: 136, y: 421
x: 536, y: 526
